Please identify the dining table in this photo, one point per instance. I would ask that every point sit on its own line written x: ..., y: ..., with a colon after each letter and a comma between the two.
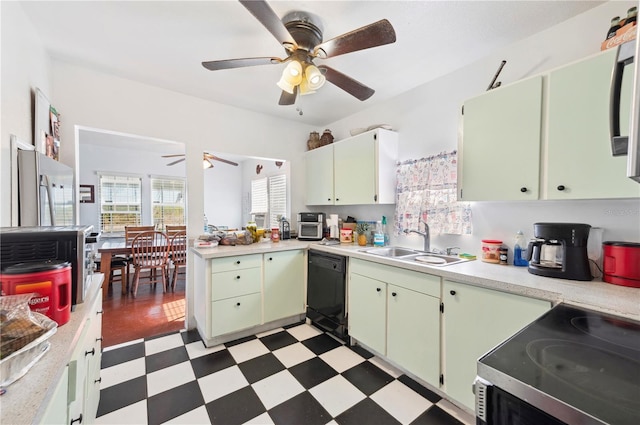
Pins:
x: 107, y: 248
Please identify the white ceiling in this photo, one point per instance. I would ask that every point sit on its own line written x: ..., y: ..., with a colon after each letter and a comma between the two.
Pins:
x: 163, y: 44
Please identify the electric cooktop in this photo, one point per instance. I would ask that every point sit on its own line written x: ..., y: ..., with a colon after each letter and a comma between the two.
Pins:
x: 573, y: 358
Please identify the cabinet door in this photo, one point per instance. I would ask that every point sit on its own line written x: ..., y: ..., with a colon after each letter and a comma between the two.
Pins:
x: 475, y: 321
x: 319, y: 173
x: 354, y: 170
x: 413, y: 332
x: 235, y: 314
x: 77, y: 377
x: 283, y: 284
x: 367, y: 312
x: 235, y: 283
x: 500, y: 150
x: 56, y: 411
x: 93, y: 357
x: 579, y: 164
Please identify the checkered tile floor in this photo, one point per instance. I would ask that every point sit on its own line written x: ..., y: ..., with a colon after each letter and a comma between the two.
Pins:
x: 295, y: 375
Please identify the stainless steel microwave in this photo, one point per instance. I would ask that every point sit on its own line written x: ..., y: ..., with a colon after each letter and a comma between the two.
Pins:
x: 311, y: 226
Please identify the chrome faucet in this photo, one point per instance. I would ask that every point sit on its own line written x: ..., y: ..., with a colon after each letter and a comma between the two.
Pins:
x: 426, y: 235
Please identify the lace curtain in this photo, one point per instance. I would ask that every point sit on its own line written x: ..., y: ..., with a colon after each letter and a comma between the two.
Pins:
x: 427, y: 190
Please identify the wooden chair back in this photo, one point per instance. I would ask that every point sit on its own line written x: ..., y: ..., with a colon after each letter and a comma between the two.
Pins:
x: 130, y: 232
x: 178, y: 251
x: 172, y: 230
x: 150, y: 250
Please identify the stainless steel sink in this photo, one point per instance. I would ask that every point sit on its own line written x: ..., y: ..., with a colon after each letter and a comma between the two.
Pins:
x: 391, y: 251
x: 414, y: 256
x: 437, y: 260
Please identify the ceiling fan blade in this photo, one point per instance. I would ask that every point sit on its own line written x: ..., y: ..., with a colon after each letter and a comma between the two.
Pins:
x: 372, y: 35
x: 287, y: 98
x: 240, y: 63
x: 171, y: 156
x: 175, y: 162
x: 346, y: 83
x: 268, y: 18
x: 208, y: 156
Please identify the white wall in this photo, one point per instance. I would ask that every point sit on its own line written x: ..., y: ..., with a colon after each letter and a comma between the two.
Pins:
x: 428, y: 119
x: 223, y: 194
x: 24, y: 67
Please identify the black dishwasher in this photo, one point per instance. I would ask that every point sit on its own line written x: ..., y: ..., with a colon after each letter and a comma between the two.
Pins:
x: 326, y: 292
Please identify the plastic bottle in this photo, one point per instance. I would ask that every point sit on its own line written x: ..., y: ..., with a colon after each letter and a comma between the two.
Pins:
x: 632, y: 15
x: 520, y: 251
x: 384, y: 231
x: 378, y: 236
x: 615, y: 26
x: 206, y: 224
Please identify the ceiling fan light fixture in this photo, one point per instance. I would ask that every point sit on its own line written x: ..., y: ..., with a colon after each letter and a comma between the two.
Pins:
x: 314, y: 77
x: 284, y: 85
x: 304, y: 88
x: 293, y: 73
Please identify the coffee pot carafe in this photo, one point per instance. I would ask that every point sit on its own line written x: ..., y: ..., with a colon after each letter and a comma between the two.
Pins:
x: 560, y: 250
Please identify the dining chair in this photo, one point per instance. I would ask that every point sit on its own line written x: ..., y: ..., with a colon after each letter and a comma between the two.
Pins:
x: 172, y: 230
x: 150, y: 251
x: 130, y: 232
x: 121, y: 265
x: 178, y: 254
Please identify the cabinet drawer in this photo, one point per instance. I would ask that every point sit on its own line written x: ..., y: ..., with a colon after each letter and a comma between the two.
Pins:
x: 235, y: 283
x: 236, y: 263
x: 409, y: 279
x: 235, y: 314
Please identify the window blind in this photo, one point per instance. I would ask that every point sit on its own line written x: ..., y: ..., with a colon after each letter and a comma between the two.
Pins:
x: 277, y: 199
x: 120, y: 202
x: 167, y: 202
x: 259, y: 196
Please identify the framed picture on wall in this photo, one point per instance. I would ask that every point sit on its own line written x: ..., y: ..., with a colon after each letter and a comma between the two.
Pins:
x: 87, y: 194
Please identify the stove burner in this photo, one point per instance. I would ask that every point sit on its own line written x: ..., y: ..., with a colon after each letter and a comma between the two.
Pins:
x: 580, y: 367
x: 623, y: 334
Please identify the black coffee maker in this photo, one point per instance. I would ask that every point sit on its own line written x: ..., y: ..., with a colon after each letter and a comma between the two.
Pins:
x: 560, y: 251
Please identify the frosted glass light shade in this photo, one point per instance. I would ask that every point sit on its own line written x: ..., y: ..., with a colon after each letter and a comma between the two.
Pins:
x: 314, y: 77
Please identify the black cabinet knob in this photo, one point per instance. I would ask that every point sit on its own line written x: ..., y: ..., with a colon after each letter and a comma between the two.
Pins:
x: 378, y: 289
x: 328, y: 199
x: 100, y: 312
x: 97, y: 381
x: 238, y: 304
x: 238, y: 277
x: 523, y: 189
x: 79, y: 420
x: 561, y: 187
x: 238, y: 262
x: 452, y: 292
x: 337, y: 199
x: 92, y: 352
x: 393, y: 294
x: 270, y: 259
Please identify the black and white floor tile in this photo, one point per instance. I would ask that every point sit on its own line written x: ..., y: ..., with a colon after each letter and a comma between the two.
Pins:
x: 295, y: 375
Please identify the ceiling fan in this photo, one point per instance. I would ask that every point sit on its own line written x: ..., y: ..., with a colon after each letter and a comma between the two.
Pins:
x: 206, y: 160
x: 300, y: 34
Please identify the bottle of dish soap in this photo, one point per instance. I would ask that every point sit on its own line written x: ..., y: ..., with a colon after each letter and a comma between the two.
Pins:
x: 384, y: 231
x: 378, y: 236
x: 520, y: 251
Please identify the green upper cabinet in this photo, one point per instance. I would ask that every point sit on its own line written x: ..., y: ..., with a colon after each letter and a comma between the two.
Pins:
x: 359, y: 170
x: 500, y: 149
x: 319, y: 173
x: 579, y: 160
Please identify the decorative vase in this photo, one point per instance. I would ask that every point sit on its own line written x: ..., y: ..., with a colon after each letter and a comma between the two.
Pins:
x: 326, y: 138
x: 314, y: 140
x: 362, y: 239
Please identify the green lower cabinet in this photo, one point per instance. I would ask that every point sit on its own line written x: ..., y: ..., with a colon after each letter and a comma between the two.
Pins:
x: 413, y: 332
x: 56, y: 410
x: 474, y: 321
x: 237, y: 313
x: 367, y: 312
x: 284, y: 284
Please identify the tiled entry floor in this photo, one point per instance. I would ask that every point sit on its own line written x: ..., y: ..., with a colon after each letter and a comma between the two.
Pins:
x: 298, y: 375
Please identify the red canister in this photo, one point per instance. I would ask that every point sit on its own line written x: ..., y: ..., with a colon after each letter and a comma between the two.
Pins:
x: 50, y: 281
x: 621, y: 263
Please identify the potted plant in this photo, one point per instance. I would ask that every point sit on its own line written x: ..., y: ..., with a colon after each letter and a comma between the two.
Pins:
x: 362, y: 228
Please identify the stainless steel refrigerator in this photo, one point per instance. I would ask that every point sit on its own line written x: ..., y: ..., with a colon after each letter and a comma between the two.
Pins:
x: 46, y: 193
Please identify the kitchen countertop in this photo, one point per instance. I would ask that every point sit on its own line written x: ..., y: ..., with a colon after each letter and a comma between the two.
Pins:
x: 597, y: 295
x: 25, y: 399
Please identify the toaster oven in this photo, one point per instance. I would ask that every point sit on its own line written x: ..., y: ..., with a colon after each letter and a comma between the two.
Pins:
x: 311, y: 226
